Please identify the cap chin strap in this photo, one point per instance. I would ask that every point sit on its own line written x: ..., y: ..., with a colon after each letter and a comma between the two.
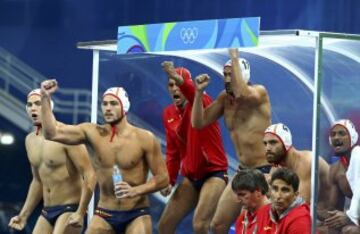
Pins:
x: 113, y: 127
x: 38, y: 129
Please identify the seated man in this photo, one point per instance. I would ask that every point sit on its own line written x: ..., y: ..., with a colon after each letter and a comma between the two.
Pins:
x: 250, y: 187
x: 287, y: 213
x: 281, y: 153
x: 200, y: 153
x: 344, y: 178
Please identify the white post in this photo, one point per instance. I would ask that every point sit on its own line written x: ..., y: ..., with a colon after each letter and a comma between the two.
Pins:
x: 315, y: 131
x: 94, y: 107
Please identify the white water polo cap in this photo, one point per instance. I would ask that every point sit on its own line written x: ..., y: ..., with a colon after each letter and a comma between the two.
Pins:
x: 244, y: 66
x: 37, y: 92
x: 350, y: 128
x: 120, y: 94
x: 282, y: 132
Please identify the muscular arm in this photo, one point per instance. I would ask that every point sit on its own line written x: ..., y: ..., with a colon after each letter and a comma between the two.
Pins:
x: 336, y: 201
x: 172, y: 153
x: 35, y: 192
x: 324, y: 182
x: 202, y: 117
x: 156, y: 164
x: 79, y: 156
x: 239, y: 87
x: 55, y: 131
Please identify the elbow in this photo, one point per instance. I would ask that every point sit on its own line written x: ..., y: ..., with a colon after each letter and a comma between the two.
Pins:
x: 196, y: 124
x: 165, y: 180
x: 91, y: 180
x: 49, y: 135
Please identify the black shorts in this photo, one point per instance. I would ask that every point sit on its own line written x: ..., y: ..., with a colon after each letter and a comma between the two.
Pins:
x: 120, y: 219
x: 52, y: 213
x: 264, y: 169
x: 199, y: 183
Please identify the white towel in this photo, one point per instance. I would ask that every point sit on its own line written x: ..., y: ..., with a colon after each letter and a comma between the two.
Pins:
x: 353, y: 176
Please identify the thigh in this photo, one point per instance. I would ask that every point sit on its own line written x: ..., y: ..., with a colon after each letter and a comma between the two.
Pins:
x: 99, y: 226
x: 209, y: 196
x: 141, y: 225
x: 42, y: 226
x: 182, y: 201
x: 227, y: 208
x: 62, y: 227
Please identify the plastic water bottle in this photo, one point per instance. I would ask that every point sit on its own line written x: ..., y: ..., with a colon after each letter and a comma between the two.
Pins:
x: 116, y: 176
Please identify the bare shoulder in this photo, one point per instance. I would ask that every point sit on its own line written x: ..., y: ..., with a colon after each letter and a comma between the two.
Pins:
x: 260, y: 89
x: 221, y: 97
x: 143, y: 134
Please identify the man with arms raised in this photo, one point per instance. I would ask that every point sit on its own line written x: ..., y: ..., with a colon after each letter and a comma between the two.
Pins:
x: 247, y: 113
x: 198, y: 154
x: 344, y: 179
x: 134, y: 150
x: 62, y: 176
x: 281, y: 153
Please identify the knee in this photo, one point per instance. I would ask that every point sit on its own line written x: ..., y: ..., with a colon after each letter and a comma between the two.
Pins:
x: 217, y: 226
x: 201, y: 225
x: 350, y: 229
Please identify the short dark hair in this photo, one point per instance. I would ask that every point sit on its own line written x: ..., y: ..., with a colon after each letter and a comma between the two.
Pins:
x: 287, y: 175
x: 250, y: 180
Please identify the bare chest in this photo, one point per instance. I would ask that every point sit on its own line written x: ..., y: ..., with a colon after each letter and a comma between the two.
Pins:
x: 46, y: 155
x: 127, y: 153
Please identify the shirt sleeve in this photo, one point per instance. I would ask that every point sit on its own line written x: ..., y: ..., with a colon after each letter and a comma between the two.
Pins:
x: 172, y: 153
x: 188, y: 89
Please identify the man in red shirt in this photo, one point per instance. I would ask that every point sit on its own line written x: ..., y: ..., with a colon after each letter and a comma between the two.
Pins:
x: 288, y: 213
x: 198, y: 154
x: 250, y: 187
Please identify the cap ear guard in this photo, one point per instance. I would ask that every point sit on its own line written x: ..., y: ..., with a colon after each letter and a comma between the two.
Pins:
x: 282, y: 132
x: 244, y: 66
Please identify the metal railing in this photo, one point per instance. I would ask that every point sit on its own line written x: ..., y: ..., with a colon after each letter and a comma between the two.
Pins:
x: 17, y: 79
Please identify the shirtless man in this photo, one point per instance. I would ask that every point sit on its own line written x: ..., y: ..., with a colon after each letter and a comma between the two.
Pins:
x: 343, y: 138
x: 247, y: 113
x: 134, y: 150
x: 200, y: 153
x: 281, y: 153
x: 62, y: 177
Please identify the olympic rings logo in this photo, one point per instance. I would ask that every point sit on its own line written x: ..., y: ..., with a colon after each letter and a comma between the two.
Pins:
x: 189, y: 35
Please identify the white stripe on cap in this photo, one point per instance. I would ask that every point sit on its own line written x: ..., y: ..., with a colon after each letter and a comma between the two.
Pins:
x: 282, y: 132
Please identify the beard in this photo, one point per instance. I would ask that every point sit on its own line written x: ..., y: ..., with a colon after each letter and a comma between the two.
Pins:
x: 116, y: 121
x: 228, y: 89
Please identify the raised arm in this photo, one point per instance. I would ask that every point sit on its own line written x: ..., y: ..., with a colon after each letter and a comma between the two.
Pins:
x: 34, y: 196
x: 53, y: 130
x: 201, y: 116
x: 79, y: 156
x: 251, y: 94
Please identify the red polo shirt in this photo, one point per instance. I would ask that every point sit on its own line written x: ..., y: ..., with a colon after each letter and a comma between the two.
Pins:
x: 195, y: 152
